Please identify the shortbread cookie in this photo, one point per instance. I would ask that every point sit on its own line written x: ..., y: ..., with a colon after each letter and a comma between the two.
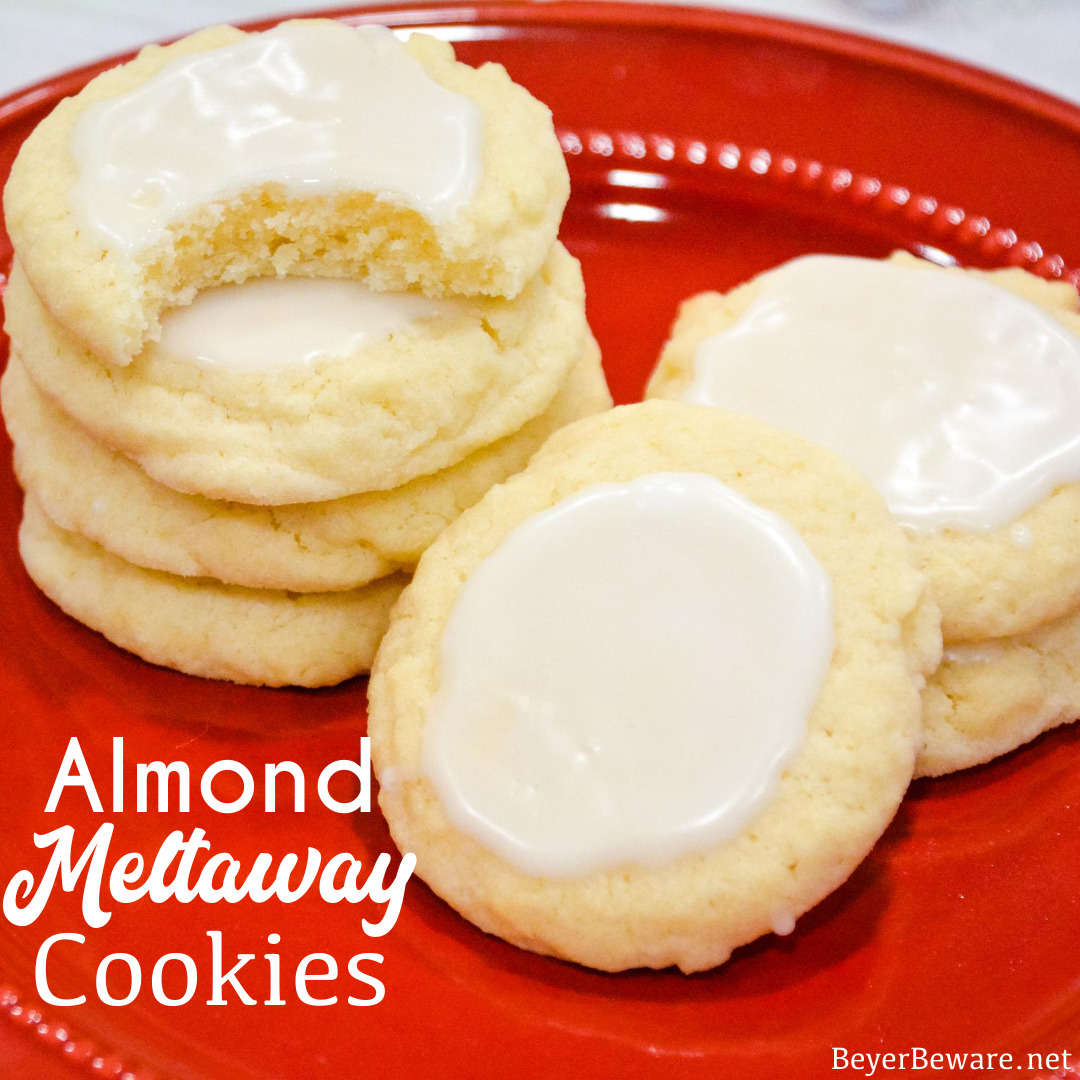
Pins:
x: 829, y: 801
x: 202, y: 627
x: 403, y: 407
x: 990, y: 697
x: 360, y: 158
x: 990, y: 582
x: 307, y: 547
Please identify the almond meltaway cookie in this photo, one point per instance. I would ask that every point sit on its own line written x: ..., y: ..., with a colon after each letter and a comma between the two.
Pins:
x: 407, y: 404
x: 308, y: 547
x: 990, y: 697
x: 956, y: 391
x: 262, y: 637
x: 658, y: 694
x: 315, y: 148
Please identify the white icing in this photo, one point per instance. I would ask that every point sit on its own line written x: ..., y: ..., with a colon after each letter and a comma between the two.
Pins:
x: 624, y: 679
x: 270, y: 323
x: 783, y: 923
x: 316, y: 106
x: 959, y: 400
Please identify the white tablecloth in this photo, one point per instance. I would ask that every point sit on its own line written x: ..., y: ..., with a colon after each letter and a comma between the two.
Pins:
x: 1037, y: 41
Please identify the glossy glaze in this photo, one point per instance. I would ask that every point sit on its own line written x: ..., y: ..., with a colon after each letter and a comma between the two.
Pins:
x: 955, y: 397
x: 270, y: 324
x: 316, y: 107
x: 625, y: 678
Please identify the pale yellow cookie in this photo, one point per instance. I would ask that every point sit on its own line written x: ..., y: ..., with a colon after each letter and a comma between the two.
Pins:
x: 408, y: 406
x: 113, y: 302
x: 989, y: 697
x: 987, y: 584
x: 202, y: 627
x: 310, y: 547
x: 831, y: 803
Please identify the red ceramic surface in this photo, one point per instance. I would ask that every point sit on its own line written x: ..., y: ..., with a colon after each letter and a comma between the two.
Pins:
x: 694, y: 140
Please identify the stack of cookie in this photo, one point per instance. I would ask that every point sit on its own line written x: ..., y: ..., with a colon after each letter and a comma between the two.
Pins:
x: 284, y: 305
x: 956, y: 392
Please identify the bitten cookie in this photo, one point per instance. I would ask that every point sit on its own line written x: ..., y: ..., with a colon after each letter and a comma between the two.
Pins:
x: 824, y: 805
x: 417, y: 402
x: 990, y: 582
x: 993, y: 696
x: 358, y: 157
x: 308, y: 547
x: 202, y: 627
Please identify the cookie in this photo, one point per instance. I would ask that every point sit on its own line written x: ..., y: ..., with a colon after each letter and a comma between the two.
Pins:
x: 257, y: 207
x: 829, y: 802
x: 205, y: 628
x: 990, y: 697
x: 992, y: 581
x: 408, y: 406
x: 307, y: 547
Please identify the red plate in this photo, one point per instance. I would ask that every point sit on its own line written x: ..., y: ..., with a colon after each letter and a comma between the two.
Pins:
x: 961, y: 933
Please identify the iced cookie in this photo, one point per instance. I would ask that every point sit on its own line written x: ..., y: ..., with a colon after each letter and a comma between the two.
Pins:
x: 262, y: 637
x: 309, y: 547
x: 991, y: 697
x: 315, y: 148
x: 955, y: 391
x: 218, y: 410
x: 658, y: 694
